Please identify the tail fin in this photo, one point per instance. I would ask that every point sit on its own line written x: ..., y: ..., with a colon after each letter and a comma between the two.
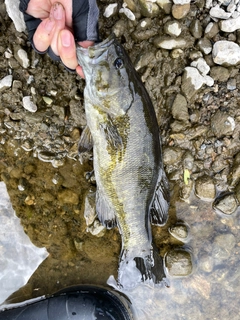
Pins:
x: 134, y: 269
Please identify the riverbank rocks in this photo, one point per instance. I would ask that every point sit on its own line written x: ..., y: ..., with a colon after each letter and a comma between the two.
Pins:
x: 180, y: 109
x: 6, y: 82
x: 226, y: 203
x: 178, y: 263
x: 230, y: 25
x: 226, y: 53
x: 205, y: 188
x: 222, y: 124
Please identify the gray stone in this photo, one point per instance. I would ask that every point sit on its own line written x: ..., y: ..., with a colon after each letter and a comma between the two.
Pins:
x: 12, y: 7
x: 165, y: 5
x: 179, y: 108
x: 172, y: 155
x: 6, y: 82
x: 217, y: 12
x: 205, y: 45
x: 211, y: 30
x: 219, y: 73
x: 222, y: 124
x: 223, y: 245
x: 179, y: 11
x: 28, y: 104
x: 230, y: 25
x: 232, y: 84
x: 205, y: 188
x: 170, y: 43
x: 196, y: 29
x: 226, y: 53
x: 179, y: 231
x: 148, y: 8
x: 173, y: 28
x: 206, y: 263
x: 110, y: 10
x: 68, y: 196
x: 226, y: 204
x: 178, y: 263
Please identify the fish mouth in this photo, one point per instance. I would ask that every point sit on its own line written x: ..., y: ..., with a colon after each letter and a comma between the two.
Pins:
x: 96, y: 51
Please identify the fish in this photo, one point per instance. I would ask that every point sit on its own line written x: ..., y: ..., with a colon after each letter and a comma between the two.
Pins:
x: 132, y: 188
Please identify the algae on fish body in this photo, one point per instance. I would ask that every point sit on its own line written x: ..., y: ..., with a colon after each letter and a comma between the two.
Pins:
x: 132, y: 188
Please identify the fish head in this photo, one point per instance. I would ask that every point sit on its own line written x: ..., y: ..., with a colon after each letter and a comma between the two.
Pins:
x: 107, y: 73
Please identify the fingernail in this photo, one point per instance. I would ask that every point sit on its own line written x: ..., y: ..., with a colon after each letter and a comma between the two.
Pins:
x: 66, y: 39
x: 57, y: 11
x: 49, y: 25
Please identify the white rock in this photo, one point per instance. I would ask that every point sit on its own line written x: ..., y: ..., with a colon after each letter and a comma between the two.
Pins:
x: 28, y: 104
x: 170, y: 44
x: 181, y: 2
x: 230, y: 25
x: 197, y: 80
x: 6, y: 82
x: 226, y: 53
x: 208, y: 80
x: 110, y: 10
x: 23, y: 58
x: 128, y: 13
x: 201, y: 65
x: 217, y: 12
x: 12, y: 7
x: 208, y: 4
x: 173, y: 28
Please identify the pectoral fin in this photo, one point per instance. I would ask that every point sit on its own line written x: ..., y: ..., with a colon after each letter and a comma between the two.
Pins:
x: 85, y: 142
x: 111, y: 133
x: 104, y: 211
x: 159, y: 210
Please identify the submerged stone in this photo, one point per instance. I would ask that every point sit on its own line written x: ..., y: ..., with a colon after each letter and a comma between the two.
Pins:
x: 179, y: 231
x: 205, y: 188
x: 178, y: 263
x: 226, y: 204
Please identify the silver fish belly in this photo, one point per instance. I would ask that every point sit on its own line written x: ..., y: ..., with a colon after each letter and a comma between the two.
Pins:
x: 132, y: 189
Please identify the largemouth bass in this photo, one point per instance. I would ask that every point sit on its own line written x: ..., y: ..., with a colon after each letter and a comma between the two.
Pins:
x: 132, y: 189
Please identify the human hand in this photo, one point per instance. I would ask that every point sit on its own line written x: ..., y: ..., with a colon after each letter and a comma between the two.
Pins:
x: 54, y: 26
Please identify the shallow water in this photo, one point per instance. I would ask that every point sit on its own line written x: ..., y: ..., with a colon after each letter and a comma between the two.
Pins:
x: 211, y: 291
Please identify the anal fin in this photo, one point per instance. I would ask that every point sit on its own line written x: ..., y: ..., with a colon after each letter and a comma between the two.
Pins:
x: 160, y: 205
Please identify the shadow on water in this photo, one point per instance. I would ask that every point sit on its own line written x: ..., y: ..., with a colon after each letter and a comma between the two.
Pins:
x: 201, y: 248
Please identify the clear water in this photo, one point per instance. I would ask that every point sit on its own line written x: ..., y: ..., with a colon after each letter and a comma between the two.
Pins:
x: 212, y: 291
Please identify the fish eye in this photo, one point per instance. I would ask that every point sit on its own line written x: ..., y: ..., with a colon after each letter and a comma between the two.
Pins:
x: 118, y: 63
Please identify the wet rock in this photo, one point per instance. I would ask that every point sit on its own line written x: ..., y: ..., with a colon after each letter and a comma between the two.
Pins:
x: 226, y: 204
x: 180, y: 11
x: 226, y: 53
x: 222, y: 124
x: 178, y: 263
x: 179, y: 108
x: 68, y: 196
x: 223, y: 245
x: 168, y: 43
x: 206, y: 263
x: 205, y: 45
x: 230, y: 25
x: 28, y: 104
x: 179, y: 231
x: 211, y: 30
x: 205, y: 187
x: 173, y: 28
x: 6, y: 82
x: 219, y: 73
x: 196, y: 29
